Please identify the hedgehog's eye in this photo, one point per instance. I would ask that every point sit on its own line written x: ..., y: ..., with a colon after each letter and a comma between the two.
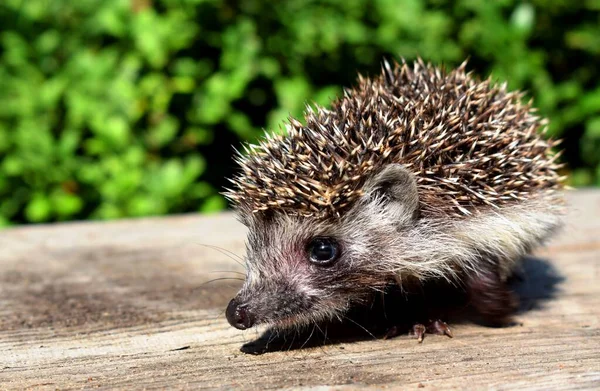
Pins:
x: 323, y: 251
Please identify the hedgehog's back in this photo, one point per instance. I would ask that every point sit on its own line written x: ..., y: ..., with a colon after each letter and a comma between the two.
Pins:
x: 470, y: 144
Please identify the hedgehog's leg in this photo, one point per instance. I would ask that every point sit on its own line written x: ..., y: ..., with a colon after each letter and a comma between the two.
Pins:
x: 433, y: 327
x: 423, y: 307
x: 491, y: 297
x: 439, y: 327
x: 419, y: 330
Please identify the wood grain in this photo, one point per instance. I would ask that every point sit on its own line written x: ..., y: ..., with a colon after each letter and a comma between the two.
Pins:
x: 126, y: 305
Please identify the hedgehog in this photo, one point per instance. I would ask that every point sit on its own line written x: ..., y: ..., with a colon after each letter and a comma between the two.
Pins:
x: 414, y: 176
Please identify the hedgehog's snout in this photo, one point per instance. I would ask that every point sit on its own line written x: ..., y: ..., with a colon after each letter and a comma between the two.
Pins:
x: 271, y: 303
x: 239, y: 315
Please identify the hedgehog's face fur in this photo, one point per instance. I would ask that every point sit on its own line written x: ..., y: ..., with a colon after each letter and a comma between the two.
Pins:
x: 303, y: 269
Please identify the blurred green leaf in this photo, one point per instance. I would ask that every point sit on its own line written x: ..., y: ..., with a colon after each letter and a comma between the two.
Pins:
x: 125, y: 108
x: 64, y: 204
x: 523, y: 17
x: 213, y: 204
x: 163, y: 133
x: 38, y: 209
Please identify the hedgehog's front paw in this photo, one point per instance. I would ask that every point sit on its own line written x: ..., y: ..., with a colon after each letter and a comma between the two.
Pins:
x: 419, y: 330
x: 433, y: 327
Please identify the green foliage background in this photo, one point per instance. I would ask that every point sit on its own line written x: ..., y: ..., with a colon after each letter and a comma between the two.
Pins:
x: 113, y: 108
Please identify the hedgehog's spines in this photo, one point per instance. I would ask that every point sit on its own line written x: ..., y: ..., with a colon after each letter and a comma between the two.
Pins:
x: 468, y: 143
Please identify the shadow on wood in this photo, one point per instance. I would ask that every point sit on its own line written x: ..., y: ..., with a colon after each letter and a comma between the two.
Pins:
x: 535, y: 282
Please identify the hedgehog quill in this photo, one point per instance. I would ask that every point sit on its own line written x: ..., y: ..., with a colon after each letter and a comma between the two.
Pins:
x: 415, y: 176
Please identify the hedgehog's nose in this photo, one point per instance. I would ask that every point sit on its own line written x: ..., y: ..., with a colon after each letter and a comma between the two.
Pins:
x: 238, y: 315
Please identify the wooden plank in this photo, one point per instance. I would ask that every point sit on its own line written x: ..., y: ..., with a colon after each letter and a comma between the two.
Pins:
x: 125, y: 305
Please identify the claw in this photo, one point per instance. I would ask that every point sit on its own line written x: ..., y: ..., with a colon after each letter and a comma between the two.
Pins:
x: 393, y: 332
x: 439, y: 327
x: 419, y: 331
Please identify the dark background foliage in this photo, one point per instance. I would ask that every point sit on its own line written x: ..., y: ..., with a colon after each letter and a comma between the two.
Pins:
x: 114, y: 108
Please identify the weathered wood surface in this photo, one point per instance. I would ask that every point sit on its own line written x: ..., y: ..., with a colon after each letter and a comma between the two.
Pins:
x: 123, y: 305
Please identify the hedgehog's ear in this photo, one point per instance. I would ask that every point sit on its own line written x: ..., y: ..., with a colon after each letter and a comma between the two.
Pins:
x: 397, y: 187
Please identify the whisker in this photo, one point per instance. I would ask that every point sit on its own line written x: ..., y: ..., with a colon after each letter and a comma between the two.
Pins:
x: 361, y: 326
x: 224, y: 250
x: 324, y: 333
x: 383, y: 303
x: 230, y: 254
x: 227, y: 271
x: 221, y: 278
x: 275, y: 335
x: 220, y: 315
x: 272, y: 336
x: 293, y: 339
x: 324, y: 340
x: 308, y: 338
